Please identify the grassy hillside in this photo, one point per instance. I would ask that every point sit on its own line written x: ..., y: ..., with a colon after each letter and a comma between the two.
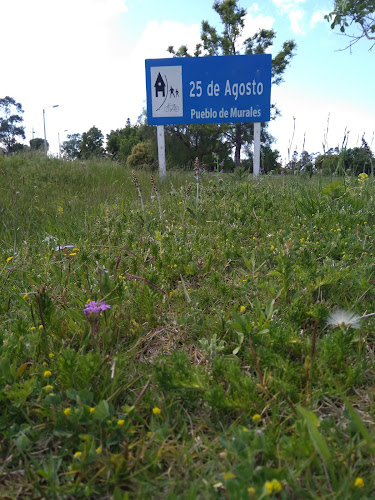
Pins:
x: 221, y: 368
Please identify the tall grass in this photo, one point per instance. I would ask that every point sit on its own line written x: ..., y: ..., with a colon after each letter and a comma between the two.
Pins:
x: 216, y: 372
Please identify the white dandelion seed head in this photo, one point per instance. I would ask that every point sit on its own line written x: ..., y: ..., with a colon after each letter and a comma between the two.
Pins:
x: 343, y: 319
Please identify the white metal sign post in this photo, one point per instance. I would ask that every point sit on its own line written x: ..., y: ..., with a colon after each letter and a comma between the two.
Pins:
x: 218, y: 89
x: 161, y: 151
x: 256, y: 159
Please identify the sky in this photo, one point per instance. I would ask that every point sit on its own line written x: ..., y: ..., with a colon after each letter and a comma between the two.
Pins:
x: 88, y: 56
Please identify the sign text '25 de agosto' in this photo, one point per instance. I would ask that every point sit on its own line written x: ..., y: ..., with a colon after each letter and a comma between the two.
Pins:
x: 218, y: 89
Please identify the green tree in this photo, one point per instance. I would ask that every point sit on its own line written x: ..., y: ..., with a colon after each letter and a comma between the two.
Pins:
x: 92, y: 144
x: 71, y: 148
x: 10, y: 124
x: 359, y: 14
x: 269, y: 159
x: 327, y: 163
x: 356, y: 160
x: 186, y: 142
x: 143, y: 156
x: 120, y: 142
x: 229, y: 42
x: 37, y: 144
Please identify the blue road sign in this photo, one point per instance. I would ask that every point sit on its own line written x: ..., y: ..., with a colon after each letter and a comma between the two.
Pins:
x: 219, y: 89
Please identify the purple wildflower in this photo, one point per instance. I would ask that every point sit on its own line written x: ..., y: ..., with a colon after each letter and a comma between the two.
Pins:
x: 93, y: 309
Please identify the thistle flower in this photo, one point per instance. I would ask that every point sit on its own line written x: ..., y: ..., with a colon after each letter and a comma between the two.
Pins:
x: 343, y: 319
x: 93, y: 309
x: 366, y: 147
x: 153, y: 183
x: 138, y: 187
x: 196, y: 168
x: 135, y: 181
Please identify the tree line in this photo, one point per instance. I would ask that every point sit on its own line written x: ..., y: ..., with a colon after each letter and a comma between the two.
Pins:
x: 135, y: 146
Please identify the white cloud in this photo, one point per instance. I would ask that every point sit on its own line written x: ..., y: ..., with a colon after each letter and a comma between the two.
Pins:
x: 253, y: 8
x: 295, y: 14
x: 254, y: 23
x: 286, y: 5
x: 296, y: 17
x: 318, y: 17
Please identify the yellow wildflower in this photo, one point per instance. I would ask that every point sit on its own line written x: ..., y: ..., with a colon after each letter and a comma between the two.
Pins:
x: 120, y: 422
x: 10, y: 258
x: 257, y: 418
x: 228, y: 475
x: 268, y: 487
x: 251, y: 492
x: 276, y: 486
x: 242, y: 309
x: 78, y: 454
x: 156, y: 410
x: 362, y: 177
x: 47, y: 373
x: 92, y: 410
x: 98, y: 450
x: 41, y: 327
x: 359, y: 483
x: 273, y: 486
x: 48, y: 388
x: 51, y: 355
x: 67, y: 411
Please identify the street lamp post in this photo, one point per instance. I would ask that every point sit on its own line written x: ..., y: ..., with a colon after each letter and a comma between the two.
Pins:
x: 44, y: 125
